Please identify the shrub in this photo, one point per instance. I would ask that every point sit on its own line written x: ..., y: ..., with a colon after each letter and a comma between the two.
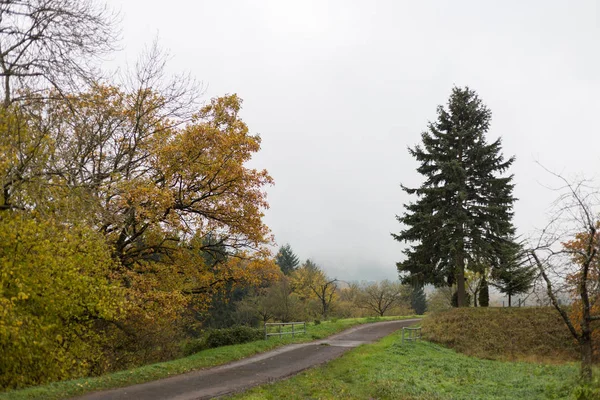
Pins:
x: 193, y: 346
x: 235, y: 335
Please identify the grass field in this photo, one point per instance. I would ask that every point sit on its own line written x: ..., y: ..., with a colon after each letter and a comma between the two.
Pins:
x: 203, y: 359
x: 424, y: 370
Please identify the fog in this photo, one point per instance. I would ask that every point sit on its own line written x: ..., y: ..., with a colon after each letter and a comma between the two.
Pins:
x: 337, y: 90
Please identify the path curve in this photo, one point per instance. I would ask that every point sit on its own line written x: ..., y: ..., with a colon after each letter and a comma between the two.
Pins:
x: 252, y: 371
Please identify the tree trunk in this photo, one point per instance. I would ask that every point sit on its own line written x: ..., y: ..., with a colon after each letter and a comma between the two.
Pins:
x: 509, y: 301
x: 586, y: 358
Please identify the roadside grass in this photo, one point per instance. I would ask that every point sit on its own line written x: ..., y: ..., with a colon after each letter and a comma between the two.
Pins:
x: 424, y: 370
x: 203, y: 359
x: 510, y: 334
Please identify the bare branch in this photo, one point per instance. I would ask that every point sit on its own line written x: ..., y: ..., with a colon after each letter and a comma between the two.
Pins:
x: 52, y: 43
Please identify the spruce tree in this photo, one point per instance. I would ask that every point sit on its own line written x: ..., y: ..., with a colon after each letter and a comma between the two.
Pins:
x: 418, y: 301
x: 484, y: 293
x: 513, y: 276
x: 463, y: 211
x: 286, y: 259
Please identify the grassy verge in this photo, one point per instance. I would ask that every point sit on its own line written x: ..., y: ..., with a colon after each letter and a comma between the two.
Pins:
x: 508, y: 334
x: 202, y: 359
x: 424, y: 370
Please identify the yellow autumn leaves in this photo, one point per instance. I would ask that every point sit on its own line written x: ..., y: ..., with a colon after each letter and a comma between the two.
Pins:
x: 54, y: 286
x: 119, y: 222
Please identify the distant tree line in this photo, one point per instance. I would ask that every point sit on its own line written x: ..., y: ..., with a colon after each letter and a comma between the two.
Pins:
x: 305, y: 292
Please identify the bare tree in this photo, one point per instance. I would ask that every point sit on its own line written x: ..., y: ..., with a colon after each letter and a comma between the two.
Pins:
x: 566, y: 256
x: 381, y: 296
x: 51, y: 43
x: 325, y: 290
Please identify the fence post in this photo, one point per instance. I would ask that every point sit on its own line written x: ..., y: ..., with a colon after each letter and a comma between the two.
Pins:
x: 402, y: 342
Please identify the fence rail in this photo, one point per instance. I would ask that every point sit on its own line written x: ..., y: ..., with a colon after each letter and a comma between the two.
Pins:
x: 412, y: 334
x: 296, y: 328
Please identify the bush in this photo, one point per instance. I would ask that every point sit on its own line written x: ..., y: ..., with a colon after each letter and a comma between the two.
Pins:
x: 193, y: 346
x: 235, y: 335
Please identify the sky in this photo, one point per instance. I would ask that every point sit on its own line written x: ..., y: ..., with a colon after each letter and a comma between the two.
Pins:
x: 338, y: 90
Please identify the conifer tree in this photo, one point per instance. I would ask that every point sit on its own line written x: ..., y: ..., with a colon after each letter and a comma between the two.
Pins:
x: 418, y: 301
x: 513, y: 275
x: 484, y: 293
x: 463, y: 211
x: 286, y: 259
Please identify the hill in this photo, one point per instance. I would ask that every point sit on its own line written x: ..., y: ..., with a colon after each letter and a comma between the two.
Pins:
x: 523, y: 334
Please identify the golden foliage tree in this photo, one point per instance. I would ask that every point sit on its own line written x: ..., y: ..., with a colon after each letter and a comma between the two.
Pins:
x: 54, y: 288
x: 310, y: 282
x: 125, y: 198
x: 153, y: 190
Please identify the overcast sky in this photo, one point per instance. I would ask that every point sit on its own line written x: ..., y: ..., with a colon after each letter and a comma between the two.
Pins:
x: 338, y: 90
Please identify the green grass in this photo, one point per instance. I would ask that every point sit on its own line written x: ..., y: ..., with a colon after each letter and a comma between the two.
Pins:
x: 423, y: 370
x: 203, y: 359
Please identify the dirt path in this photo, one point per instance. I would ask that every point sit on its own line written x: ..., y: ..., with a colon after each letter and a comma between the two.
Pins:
x: 256, y: 370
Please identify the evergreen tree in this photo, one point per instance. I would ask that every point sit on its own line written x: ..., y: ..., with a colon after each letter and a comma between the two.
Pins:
x: 513, y: 276
x: 418, y: 302
x: 454, y: 301
x: 484, y: 293
x: 286, y: 259
x: 310, y: 265
x: 463, y: 210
